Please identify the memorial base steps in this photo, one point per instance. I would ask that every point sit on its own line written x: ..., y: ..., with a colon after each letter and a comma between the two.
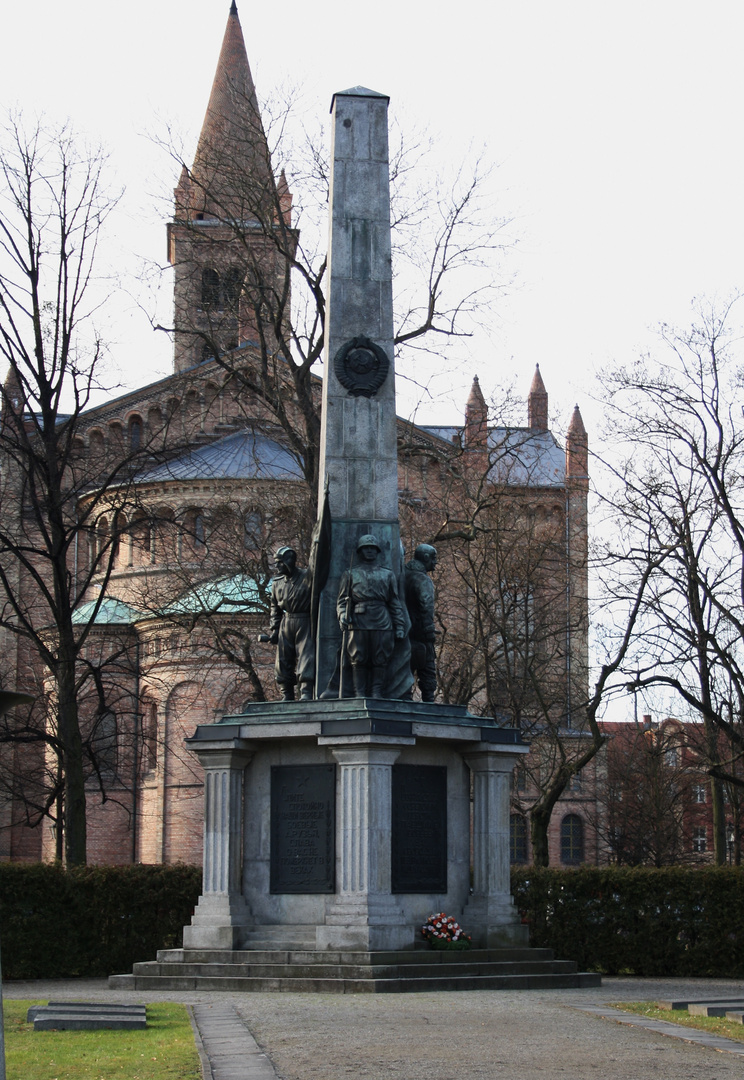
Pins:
x: 354, y: 972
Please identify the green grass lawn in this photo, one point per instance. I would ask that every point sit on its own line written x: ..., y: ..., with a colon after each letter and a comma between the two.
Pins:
x: 716, y: 1025
x: 165, y: 1050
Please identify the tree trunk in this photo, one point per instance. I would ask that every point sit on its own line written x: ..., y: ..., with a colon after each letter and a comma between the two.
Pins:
x: 75, y: 825
x: 539, y: 823
x: 716, y: 790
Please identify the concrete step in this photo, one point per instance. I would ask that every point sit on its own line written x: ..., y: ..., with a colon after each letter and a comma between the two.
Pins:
x: 715, y: 1008
x: 84, y: 1016
x: 338, y: 972
x: 370, y: 986
x: 354, y: 971
x: 429, y: 957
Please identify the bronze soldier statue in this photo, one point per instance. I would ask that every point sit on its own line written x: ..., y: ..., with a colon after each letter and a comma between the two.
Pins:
x: 291, y: 629
x: 371, y: 617
x: 420, y: 604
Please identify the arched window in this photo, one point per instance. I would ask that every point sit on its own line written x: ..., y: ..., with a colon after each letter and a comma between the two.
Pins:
x: 210, y: 291
x: 150, y: 735
x: 102, y: 536
x: 252, y: 530
x: 120, y: 553
x: 142, y: 539
x: 193, y: 533
x: 232, y: 287
x: 572, y: 840
x: 164, y: 544
x: 517, y: 839
x: 135, y: 432
x: 200, y: 533
x: 105, y: 744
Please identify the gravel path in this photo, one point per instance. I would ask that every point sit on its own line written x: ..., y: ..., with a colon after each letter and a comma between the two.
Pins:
x: 526, y: 1035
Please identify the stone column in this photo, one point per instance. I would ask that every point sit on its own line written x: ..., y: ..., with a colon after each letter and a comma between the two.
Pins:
x: 364, y: 914
x: 490, y: 914
x: 221, y: 914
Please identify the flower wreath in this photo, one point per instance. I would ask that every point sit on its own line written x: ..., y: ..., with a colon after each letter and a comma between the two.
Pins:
x: 443, y: 932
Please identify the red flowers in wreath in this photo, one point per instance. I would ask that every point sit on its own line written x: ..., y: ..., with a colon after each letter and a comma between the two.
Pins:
x: 440, y: 929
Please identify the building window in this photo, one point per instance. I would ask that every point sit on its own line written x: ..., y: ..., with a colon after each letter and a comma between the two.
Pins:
x: 699, y: 839
x: 105, y: 744
x: 252, y: 530
x: 232, y: 287
x: 135, y: 433
x: 519, y: 778
x: 671, y: 758
x: 576, y: 783
x: 210, y: 292
x: 200, y: 535
x: 150, y: 736
x: 572, y: 840
x: 102, y: 537
x: 517, y: 839
x: 698, y: 793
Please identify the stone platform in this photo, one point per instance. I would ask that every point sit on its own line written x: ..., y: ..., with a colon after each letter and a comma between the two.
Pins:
x: 342, y: 825
x: 407, y: 971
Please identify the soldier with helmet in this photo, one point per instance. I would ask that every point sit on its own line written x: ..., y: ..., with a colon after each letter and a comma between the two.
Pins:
x: 420, y: 603
x: 291, y: 629
x: 371, y: 616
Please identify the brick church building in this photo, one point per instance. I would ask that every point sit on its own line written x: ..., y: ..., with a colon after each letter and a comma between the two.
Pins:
x: 224, y: 474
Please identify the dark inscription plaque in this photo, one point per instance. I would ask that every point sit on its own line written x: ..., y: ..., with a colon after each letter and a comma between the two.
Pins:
x: 419, y: 829
x: 303, y: 825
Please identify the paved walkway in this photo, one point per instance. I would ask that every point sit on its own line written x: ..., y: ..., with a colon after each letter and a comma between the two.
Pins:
x: 478, y: 1035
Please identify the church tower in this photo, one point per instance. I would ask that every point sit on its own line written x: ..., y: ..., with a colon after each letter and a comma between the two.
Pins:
x: 230, y: 240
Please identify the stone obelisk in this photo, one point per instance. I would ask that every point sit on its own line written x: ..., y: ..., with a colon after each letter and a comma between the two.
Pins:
x: 358, y: 457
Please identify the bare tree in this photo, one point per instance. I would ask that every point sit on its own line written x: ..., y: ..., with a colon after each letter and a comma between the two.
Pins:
x: 512, y: 601
x: 64, y: 511
x: 679, y: 465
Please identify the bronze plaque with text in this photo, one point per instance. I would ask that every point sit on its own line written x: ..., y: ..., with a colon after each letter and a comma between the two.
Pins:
x: 419, y: 829
x: 303, y: 825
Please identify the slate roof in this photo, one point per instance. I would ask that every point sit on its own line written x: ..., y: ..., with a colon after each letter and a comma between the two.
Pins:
x: 246, y: 455
x: 520, y: 456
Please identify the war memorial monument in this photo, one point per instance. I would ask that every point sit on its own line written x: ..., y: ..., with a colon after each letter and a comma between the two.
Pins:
x: 336, y: 823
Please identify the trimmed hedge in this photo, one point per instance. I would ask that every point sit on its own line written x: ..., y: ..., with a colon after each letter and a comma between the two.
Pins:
x: 658, y: 922
x: 99, y: 920
x: 93, y: 921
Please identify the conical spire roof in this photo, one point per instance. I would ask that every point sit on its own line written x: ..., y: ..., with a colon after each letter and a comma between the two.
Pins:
x: 576, y: 427
x: 538, y: 386
x: 231, y: 175
x: 537, y: 403
x: 476, y: 399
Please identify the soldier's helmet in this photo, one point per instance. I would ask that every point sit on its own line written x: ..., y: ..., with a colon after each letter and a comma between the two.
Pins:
x: 286, y: 554
x: 368, y: 540
x: 427, y: 550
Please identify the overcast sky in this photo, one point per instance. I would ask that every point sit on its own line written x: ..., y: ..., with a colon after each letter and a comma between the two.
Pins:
x: 618, y: 129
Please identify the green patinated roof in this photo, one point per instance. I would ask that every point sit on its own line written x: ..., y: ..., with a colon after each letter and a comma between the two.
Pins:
x: 239, y: 593
x: 112, y: 612
x: 223, y: 596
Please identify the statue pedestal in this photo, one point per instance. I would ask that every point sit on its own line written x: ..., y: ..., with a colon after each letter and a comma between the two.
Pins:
x: 353, y: 817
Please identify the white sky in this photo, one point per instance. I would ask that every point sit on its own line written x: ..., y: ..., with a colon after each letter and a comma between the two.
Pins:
x: 617, y: 128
